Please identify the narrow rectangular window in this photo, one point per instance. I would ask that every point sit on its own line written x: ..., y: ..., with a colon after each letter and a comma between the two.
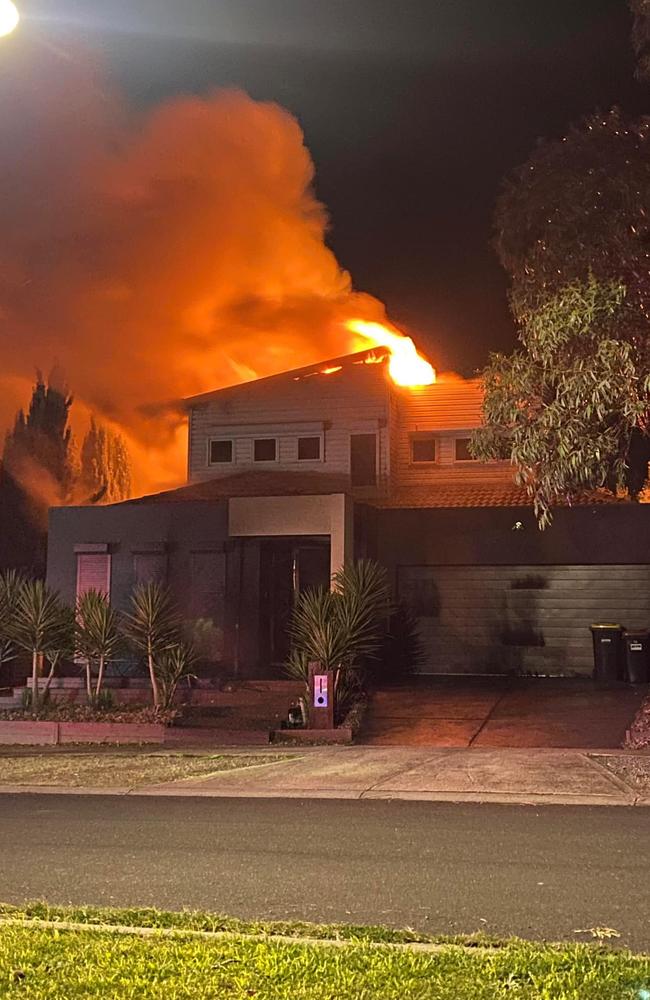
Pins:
x: 220, y: 451
x: 423, y: 449
x: 93, y: 573
x: 264, y: 449
x: 462, y: 453
x: 309, y: 448
x: 363, y: 459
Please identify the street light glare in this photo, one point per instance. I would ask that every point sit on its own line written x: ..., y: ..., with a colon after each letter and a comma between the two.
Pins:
x: 9, y: 17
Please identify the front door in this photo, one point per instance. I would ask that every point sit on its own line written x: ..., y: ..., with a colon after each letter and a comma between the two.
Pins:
x: 287, y: 566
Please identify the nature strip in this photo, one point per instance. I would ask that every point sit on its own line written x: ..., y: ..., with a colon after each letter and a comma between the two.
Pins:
x: 191, y: 934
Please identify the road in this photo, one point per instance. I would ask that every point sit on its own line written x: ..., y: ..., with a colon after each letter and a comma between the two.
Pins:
x: 536, y: 872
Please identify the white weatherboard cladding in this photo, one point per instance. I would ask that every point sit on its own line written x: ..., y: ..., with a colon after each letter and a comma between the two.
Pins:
x: 323, y: 405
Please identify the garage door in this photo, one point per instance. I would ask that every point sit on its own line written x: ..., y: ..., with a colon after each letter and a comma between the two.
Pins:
x: 524, y: 619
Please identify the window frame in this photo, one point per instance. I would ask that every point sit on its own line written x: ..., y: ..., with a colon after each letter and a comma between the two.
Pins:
x: 463, y: 461
x: 101, y: 551
x: 425, y: 436
x: 214, y: 440
x: 310, y: 437
x: 266, y: 461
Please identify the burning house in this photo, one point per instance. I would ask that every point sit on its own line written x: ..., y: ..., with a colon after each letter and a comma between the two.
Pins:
x: 362, y: 455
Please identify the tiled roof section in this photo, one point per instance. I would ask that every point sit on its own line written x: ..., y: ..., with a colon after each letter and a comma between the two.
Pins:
x: 484, y: 494
x: 256, y: 483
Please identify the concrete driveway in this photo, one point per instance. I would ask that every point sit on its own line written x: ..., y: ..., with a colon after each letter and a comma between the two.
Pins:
x: 500, y: 712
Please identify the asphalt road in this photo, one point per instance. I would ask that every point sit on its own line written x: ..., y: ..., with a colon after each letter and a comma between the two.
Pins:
x: 538, y: 872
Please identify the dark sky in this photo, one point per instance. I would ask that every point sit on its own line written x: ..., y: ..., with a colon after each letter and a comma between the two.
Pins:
x: 413, y: 110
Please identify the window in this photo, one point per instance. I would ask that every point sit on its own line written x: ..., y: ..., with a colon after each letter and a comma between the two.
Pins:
x: 149, y: 567
x: 423, y: 449
x: 308, y: 449
x: 363, y: 459
x: 220, y: 451
x: 93, y: 573
x: 462, y: 452
x: 264, y: 449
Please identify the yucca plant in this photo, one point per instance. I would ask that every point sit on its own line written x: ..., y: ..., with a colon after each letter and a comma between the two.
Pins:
x: 44, y: 627
x: 171, y: 666
x: 342, y: 628
x: 10, y: 583
x: 152, y: 626
x: 98, y: 638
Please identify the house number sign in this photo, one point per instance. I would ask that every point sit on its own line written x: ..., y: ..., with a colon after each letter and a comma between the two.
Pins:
x: 320, y: 691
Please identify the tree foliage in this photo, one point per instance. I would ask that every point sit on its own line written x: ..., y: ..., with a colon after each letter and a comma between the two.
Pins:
x: 40, y: 443
x: 570, y: 407
x: 105, y: 465
x: 564, y: 407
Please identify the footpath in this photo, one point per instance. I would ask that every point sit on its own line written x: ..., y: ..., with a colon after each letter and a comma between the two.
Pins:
x: 521, y: 776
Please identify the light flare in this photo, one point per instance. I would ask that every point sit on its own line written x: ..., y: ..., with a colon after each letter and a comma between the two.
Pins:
x: 9, y: 17
x: 406, y: 367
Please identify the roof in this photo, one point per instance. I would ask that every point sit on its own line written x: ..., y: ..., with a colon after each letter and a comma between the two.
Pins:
x: 484, y: 494
x: 255, y: 483
x: 328, y: 367
x: 439, y: 495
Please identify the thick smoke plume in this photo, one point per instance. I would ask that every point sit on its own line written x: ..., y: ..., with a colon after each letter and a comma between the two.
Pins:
x: 155, y: 255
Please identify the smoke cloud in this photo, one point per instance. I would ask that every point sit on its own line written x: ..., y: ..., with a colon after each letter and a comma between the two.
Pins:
x: 155, y: 255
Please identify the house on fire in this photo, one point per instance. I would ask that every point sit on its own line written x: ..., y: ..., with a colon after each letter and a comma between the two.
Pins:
x: 289, y: 476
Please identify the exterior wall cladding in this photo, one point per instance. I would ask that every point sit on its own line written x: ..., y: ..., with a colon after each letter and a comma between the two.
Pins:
x: 490, y: 591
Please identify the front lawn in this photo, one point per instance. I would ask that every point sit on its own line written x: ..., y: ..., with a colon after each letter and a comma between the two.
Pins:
x: 51, y: 963
x: 114, y: 770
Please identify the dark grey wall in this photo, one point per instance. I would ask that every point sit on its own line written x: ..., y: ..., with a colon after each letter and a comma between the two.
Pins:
x: 181, y: 528
x: 486, y: 536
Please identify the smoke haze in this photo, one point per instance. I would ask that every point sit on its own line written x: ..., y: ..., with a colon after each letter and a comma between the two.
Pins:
x: 155, y: 255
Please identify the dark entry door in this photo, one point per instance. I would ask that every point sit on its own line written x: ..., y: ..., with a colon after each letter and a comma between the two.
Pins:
x: 287, y: 566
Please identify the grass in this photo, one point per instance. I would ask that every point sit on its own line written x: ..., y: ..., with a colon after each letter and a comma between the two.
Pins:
x: 64, y: 964
x: 108, y: 770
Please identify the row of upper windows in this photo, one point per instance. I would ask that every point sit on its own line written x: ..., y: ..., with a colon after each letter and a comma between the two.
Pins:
x: 424, y: 449
x: 222, y: 450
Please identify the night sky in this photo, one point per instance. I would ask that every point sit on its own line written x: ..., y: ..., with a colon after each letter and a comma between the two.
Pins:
x: 413, y: 110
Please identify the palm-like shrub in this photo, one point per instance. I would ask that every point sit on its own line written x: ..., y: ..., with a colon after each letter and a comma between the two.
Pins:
x: 98, y: 638
x: 10, y: 583
x: 342, y: 628
x: 44, y: 627
x: 171, y: 666
x: 152, y: 627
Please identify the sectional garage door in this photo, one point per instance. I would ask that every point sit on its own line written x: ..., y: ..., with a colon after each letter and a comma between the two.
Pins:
x: 524, y: 619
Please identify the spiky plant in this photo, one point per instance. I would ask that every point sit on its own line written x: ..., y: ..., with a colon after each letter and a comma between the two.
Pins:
x: 43, y: 626
x: 98, y: 638
x: 171, y: 666
x: 342, y: 628
x: 152, y: 626
x: 10, y: 583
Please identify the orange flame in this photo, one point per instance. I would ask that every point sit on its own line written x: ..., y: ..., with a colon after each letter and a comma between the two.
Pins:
x: 406, y: 366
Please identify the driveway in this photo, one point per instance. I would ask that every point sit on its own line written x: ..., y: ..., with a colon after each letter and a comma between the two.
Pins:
x: 500, y: 712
